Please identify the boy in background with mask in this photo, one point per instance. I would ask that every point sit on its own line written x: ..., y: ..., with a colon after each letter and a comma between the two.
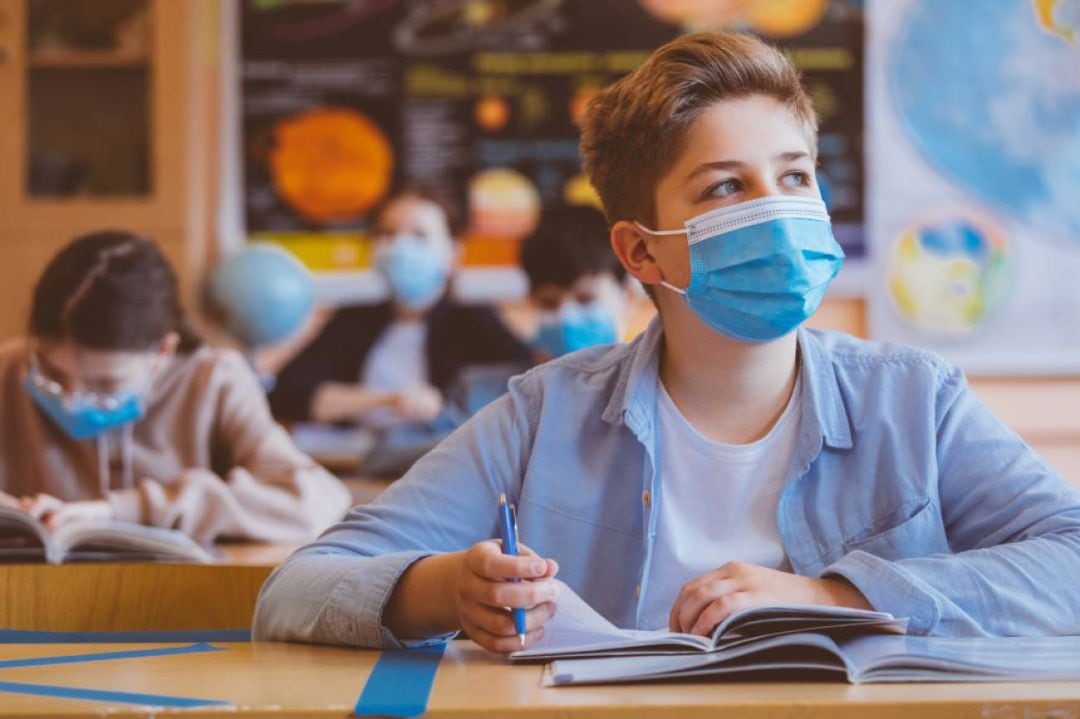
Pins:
x: 393, y: 362
x: 727, y: 457
x: 576, y: 283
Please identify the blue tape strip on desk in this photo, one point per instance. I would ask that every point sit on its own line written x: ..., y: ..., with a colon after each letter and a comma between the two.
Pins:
x: 400, y: 683
x: 97, y: 695
x: 22, y: 636
x: 106, y: 656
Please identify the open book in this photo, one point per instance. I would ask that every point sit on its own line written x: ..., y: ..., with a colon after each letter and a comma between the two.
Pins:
x: 577, y: 630
x: 792, y: 643
x: 858, y: 659
x: 25, y: 539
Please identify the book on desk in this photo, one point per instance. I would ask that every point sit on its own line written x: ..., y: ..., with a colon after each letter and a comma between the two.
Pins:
x: 24, y: 538
x: 791, y: 641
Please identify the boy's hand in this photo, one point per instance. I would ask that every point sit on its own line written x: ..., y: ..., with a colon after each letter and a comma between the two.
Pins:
x: 482, y: 595
x: 707, y: 600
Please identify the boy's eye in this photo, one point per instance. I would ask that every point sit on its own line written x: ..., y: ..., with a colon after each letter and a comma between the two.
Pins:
x: 724, y: 188
x: 796, y: 179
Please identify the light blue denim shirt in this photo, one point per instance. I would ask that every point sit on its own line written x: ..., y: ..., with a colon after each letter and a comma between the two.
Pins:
x: 902, y: 482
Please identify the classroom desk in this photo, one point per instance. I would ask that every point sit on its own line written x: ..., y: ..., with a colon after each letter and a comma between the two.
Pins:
x: 148, y: 596
x: 281, y: 680
x: 138, y: 596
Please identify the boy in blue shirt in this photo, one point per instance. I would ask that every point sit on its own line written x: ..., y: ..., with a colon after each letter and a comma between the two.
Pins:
x: 727, y: 457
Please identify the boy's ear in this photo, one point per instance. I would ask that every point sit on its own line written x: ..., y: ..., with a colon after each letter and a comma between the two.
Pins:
x: 631, y: 247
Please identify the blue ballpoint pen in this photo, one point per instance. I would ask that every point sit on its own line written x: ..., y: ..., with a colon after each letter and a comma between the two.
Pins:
x: 508, y: 525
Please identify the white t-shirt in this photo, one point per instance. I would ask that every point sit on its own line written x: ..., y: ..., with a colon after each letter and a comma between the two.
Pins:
x: 397, y: 361
x: 718, y: 503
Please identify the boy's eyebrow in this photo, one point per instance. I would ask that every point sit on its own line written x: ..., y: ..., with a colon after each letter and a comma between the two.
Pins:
x: 734, y: 164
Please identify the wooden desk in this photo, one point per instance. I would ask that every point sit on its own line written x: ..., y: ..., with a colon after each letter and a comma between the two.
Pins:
x: 295, y: 680
x: 138, y: 596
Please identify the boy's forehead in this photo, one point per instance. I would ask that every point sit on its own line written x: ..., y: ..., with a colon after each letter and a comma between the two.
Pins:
x: 751, y: 130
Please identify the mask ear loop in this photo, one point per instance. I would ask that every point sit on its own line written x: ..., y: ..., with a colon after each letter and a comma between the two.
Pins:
x: 127, y: 452
x: 663, y: 233
x: 103, y: 464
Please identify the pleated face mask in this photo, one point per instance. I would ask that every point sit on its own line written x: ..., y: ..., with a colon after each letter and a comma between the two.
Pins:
x: 759, y: 269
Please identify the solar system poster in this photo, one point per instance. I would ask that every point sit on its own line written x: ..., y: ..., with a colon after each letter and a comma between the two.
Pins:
x: 344, y: 100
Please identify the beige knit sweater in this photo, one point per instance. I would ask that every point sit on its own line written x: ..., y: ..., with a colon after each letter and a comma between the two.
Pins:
x: 207, y: 459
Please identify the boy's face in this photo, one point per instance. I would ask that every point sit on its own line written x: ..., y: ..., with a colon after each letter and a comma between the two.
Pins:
x: 587, y: 289
x: 736, y: 151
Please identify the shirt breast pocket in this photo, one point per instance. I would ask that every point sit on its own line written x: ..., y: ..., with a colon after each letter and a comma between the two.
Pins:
x: 914, y: 530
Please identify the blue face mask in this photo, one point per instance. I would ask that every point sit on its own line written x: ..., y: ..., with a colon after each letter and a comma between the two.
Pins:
x: 576, y: 327
x: 82, y: 416
x: 416, y: 271
x: 759, y: 269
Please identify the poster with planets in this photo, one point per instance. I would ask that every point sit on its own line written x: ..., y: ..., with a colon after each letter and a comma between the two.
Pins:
x: 344, y: 100
x: 974, y: 170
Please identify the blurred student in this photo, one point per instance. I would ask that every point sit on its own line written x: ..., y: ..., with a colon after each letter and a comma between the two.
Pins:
x: 114, y: 409
x: 394, y: 361
x: 576, y: 283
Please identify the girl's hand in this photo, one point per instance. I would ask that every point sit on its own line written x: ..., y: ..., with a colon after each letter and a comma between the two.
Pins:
x: 709, y: 599
x: 419, y: 404
x: 55, y: 513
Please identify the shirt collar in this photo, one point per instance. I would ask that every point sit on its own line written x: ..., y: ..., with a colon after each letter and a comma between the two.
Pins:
x: 634, y: 398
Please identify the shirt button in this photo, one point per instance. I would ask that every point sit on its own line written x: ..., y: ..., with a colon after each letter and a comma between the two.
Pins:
x: 637, y: 591
x: 646, y: 498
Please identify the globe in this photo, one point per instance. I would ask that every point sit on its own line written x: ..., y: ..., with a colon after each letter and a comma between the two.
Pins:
x: 947, y: 276
x: 261, y: 294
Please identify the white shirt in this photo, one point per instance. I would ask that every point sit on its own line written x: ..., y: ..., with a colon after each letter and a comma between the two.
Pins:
x: 717, y: 503
x: 397, y: 361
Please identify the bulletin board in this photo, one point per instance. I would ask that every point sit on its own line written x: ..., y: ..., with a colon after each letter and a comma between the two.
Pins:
x: 343, y: 100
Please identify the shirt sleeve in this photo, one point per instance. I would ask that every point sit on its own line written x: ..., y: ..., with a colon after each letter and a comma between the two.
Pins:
x: 334, y: 591
x: 271, y: 490
x: 1012, y: 523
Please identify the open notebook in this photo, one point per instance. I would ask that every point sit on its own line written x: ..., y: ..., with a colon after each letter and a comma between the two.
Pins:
x: 24, y: 539
x: 792, y: 643
x: 577, y: 630
x: 858, y: 659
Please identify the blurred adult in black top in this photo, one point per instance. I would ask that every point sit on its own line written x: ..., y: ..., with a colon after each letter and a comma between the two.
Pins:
x: 394, y: 361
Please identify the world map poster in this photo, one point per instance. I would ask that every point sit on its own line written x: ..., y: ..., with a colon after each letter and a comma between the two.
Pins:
x: 974, y: 180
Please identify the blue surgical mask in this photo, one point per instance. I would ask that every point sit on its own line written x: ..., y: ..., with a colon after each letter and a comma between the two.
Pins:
x: 82, y: 415
x: 576, y: 327
x: 759, y: 269
x: 416, y: 271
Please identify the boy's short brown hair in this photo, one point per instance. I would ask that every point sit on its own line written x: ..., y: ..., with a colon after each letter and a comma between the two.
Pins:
x: 633, y: 130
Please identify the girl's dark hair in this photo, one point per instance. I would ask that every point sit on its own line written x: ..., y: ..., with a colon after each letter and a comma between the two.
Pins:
x: 110, y: 290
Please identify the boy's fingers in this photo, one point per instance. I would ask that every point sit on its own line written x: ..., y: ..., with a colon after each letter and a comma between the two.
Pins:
x: 500, y: 622
x: 514, y: 594
x: 503, y: 645
x: 496, y: 565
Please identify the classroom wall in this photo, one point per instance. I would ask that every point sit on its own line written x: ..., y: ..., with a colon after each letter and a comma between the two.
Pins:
x: 1045, y: 411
